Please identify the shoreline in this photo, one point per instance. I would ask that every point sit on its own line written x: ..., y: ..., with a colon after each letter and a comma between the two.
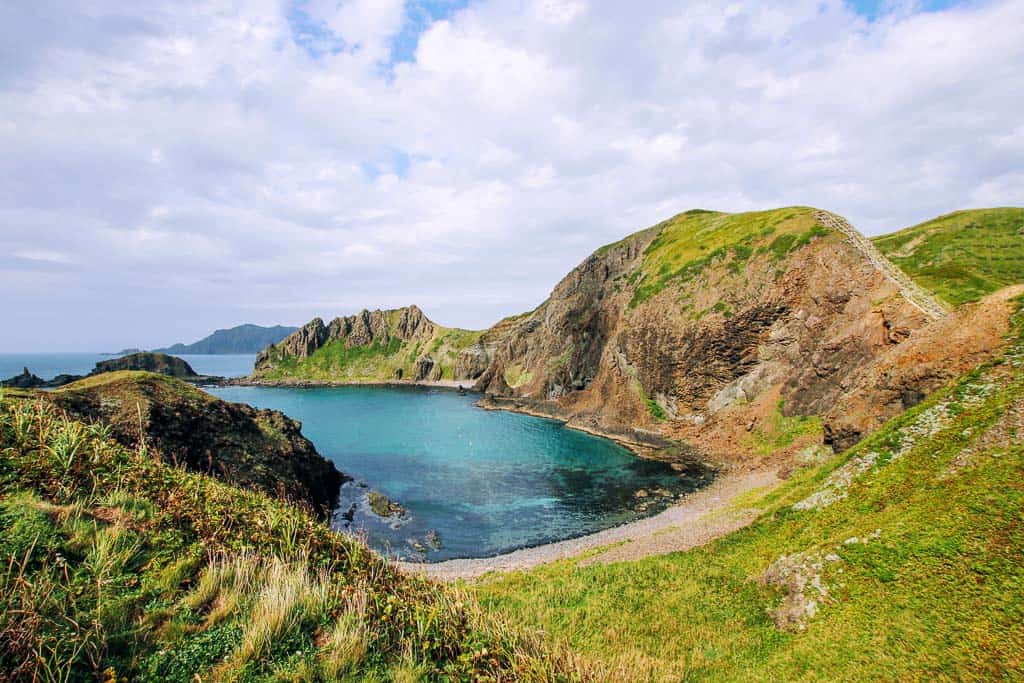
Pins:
x: 700, y: 517
x: 649, y: 449
x: 320, y: 384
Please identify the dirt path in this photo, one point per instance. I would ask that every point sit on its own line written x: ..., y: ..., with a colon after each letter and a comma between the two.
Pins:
x: 697, y: 519
x: 913, y: 293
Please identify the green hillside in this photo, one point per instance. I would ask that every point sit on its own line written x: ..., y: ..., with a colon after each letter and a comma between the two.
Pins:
x: 117, y: 567
x: 899, y: 559
x: 691, y: 241
x: 964, y: 255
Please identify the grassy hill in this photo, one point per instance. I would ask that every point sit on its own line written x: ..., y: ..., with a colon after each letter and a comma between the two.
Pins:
x: 688, y: 243
x: 899, y: 559
x: 961, y: 256
x: 115, y: 566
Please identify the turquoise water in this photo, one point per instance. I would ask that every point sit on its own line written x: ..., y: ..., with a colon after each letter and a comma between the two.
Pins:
x: 475, y: 483
x: 48, y: 365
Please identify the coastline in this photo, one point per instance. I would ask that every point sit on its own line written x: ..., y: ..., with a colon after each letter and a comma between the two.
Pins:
x: 700, y: 517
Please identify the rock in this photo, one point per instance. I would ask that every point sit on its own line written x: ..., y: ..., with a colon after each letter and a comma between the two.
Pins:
x: 472, y: 362
x: 26, y: 380
x: 424, y: 369
x: 398, y: 374
x: 642, y: 493
x: 382, y: 506
x: 261, y: 449
x: 159, y: 363
x: 362, y: 329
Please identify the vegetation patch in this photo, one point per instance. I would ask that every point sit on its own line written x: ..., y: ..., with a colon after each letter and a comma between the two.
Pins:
x: 962, y: 256
x: 693, y: 241
x: 778, y: 431
x: 116, y: 566
x: 517, y: 376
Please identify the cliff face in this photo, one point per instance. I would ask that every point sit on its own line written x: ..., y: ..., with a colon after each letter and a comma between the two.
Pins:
x: 261, y: 449
x: 713, y: 328
x: 743, y: 335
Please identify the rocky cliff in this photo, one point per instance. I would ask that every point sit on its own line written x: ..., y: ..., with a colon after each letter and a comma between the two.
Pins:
x: 261, y: 449
x: 735, y: 333
x: 400, y: 344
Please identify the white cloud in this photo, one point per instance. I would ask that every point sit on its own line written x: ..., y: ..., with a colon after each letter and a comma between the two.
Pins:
x: 195, y: 163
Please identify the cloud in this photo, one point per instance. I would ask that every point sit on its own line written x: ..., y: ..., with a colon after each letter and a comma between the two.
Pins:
x: 195, y: 165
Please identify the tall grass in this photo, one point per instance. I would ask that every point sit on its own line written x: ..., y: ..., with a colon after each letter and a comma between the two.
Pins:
x: 115, y: 564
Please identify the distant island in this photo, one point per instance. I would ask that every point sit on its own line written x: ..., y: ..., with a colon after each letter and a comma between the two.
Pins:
x: 240, y: 339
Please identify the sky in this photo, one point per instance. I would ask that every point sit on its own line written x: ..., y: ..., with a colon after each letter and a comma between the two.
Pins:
x: 172, y: 167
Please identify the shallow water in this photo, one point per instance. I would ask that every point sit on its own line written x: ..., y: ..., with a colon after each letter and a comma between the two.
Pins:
x: 477, y: 483
x: 49, y: 365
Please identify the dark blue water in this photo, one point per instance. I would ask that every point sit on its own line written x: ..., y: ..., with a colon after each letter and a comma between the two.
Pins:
x: 48, y: 365
x: 475, y: 483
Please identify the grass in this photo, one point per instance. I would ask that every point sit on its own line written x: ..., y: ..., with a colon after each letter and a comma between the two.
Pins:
x: 691, y: 242
x: 517, y: 376
x: 961, y: 256
x: 117, y: 566
x: 778, y: 431
x: 919, y: 556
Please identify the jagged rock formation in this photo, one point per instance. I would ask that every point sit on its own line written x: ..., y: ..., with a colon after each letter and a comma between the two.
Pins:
x: 369, y: 346
x: 26, y: 380
x: 261, y: 449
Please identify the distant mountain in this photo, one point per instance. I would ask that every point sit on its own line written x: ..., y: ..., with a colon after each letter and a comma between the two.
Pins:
x: 241, y: 339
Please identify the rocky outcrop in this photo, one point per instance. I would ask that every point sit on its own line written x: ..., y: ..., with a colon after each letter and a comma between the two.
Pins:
x: 363, y: 329
x: 906, y: 373
x: 300, y: 344
x: 26, y: 380
x: 765, y: 322
x: 159, y: 363
x: 261, y: 449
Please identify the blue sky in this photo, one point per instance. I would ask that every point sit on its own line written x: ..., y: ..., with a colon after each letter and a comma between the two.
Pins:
x: 170, y: 168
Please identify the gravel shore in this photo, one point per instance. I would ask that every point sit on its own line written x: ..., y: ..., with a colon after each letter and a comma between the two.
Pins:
x: 696, y: 520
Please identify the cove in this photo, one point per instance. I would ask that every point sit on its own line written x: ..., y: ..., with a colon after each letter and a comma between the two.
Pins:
x: 475, y: 483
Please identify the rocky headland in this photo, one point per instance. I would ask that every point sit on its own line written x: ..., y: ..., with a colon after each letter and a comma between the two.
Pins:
x: 143, y: 361
x: 261, y: 449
